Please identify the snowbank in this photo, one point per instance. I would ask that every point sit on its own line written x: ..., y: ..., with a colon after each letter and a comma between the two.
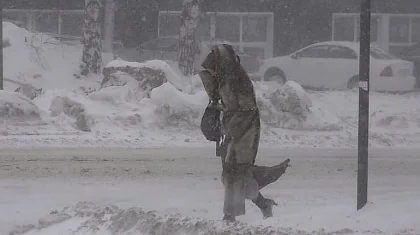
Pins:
x: 290, y: 107
x: 42, y: 61
x: 117, y: 95
x: 64, y: 105
x: 176, y: 108
x: 17, y: 108
x: 286, y: 107
x: 90, y: 218
x: 167, y: 105
x: 18, y: 112
x: 149, y: 94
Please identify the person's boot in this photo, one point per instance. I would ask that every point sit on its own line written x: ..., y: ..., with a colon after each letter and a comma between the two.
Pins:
x: 265, y: 205
x: 267, y: 209
x: 229, y: 218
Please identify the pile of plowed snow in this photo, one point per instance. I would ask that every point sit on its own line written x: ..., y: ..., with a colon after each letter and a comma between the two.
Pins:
x: 95, y: 219
x: 89, y: 218
x: 148, y: 102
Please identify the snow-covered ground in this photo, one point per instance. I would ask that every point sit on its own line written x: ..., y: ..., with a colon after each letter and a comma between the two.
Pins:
x: 178, y: 191
x: 118, y: 116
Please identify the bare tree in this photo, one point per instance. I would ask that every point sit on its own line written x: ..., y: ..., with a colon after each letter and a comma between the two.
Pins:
x: 92, y: 45
x: 187, y: 41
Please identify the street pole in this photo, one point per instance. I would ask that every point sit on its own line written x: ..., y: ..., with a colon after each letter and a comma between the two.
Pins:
x: 1, y: 52
x: 363, y: 140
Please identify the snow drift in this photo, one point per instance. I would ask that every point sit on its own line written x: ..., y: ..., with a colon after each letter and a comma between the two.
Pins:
x: 18, y: 112
x: 72, y: 109
x: 16, y: 107
x: 90, y: 218
x: 154, y: 92
x: 42, y: 61
x: 286, y: 107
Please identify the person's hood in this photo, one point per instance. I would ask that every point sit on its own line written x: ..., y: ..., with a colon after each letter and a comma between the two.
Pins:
x: 222, y: 59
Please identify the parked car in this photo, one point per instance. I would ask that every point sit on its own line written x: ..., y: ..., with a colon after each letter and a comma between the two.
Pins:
x: 335, y: 65
x: 166, y: 48
x: 412, y: 54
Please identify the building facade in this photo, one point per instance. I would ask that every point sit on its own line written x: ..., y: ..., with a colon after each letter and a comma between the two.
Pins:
x: 249, y: 32
x: 297, y: 23
x: 392, y: 32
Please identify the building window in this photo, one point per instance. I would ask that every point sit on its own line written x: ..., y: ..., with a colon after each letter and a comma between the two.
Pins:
x: 396, y: 50
x: 399, y: 29
x: 344, y: 28
x: 227, y: 28
x: 19, y: 18
x: 415, y: 30
x: 47, y: 22
x: 374, y: 27
x: 203, y: 28
x: 254, y: 29
x: 72, y: 24
x: 169, y: 25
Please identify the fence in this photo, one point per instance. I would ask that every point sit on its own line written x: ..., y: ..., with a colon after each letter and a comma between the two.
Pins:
x: 67, y: 24
x: 249, y: 32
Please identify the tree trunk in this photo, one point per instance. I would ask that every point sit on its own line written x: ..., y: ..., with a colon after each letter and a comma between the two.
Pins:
x: 187, y: 42
x: 92, y: 45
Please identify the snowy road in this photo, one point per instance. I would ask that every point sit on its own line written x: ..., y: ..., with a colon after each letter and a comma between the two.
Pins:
x: 317, y: 193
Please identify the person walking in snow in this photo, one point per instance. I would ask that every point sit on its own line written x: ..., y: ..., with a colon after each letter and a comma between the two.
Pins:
x: 225, y: 80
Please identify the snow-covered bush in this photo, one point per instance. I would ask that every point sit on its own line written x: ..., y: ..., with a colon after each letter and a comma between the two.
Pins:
x: 151, y: 73
x: 286, y: 106
x: 72, y: 109
x: 176, y: 108
x: 291, y: 98
x: 290, y: 107
x: 117, y: 95
x: 29, y: 91
x: 16, y: 107
x: 139, y: 78
x: 162, y: 96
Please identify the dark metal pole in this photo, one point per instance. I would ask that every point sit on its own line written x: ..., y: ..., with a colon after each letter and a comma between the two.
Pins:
x: 364, y: 64
x: 1, y: 52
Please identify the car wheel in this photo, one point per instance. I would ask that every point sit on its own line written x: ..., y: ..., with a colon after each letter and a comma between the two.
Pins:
x: 353, y: 82
x: 275, y: 74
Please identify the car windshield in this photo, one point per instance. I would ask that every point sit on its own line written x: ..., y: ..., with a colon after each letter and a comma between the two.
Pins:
x: 380, y: 54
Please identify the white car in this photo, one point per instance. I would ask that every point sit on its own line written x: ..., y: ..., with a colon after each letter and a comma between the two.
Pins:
x: 335, y: 65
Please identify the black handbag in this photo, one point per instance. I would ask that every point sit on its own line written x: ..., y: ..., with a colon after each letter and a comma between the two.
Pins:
x: 211, y: 125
